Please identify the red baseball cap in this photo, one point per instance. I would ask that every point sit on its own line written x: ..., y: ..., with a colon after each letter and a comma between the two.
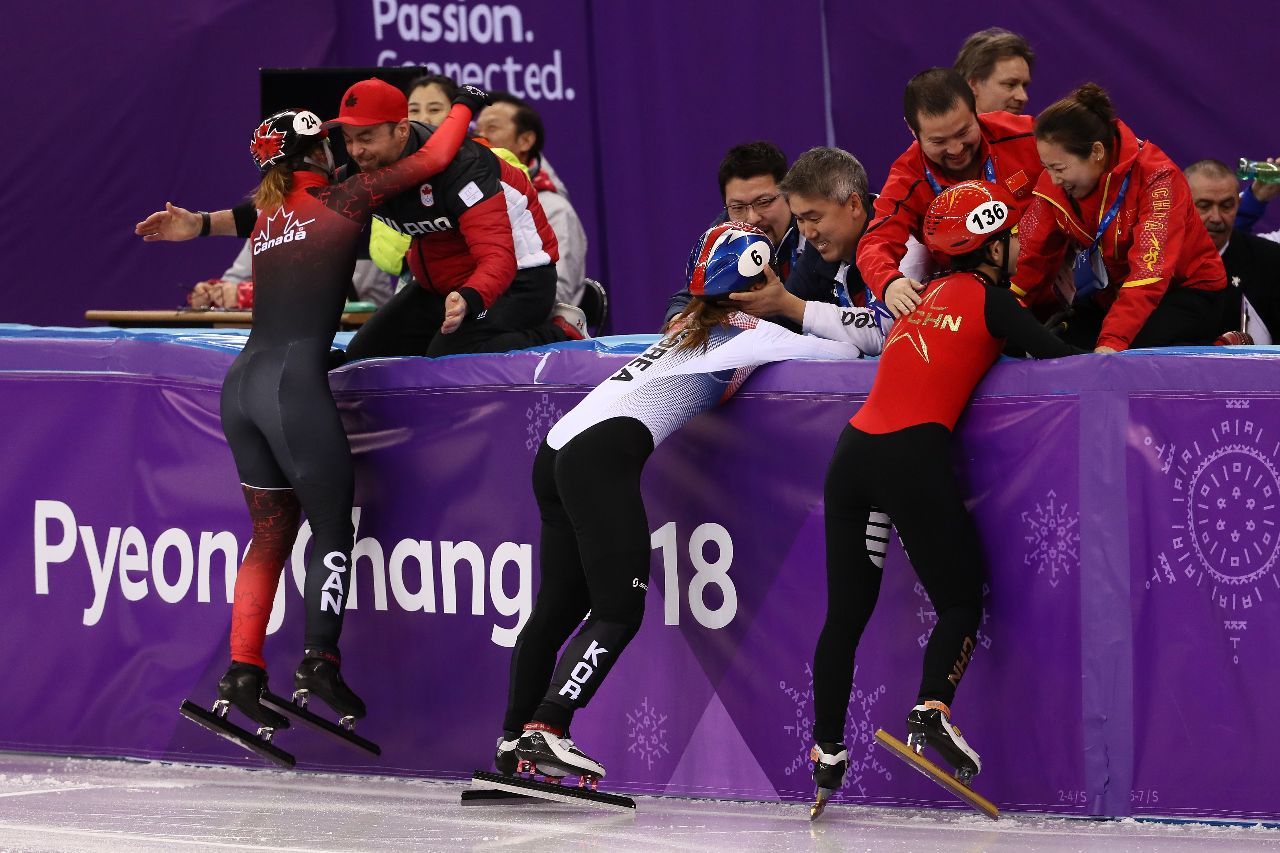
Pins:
x: 371, y: 102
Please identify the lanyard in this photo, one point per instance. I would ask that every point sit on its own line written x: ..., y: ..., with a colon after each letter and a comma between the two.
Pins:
x: 841, y: 290
x: 1110, y: 215
x: 988, y: 170
x: 879, y: 311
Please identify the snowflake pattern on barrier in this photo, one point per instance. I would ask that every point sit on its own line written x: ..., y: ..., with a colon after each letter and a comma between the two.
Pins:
x: 648, y: 733
x: 1053, y: 538
x: 929, y: 617
x: 542, y: 416
x: 1225, y: 533
x: 860, y: 732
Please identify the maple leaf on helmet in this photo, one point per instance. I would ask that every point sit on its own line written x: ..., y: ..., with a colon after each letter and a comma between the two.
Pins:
x: 266, y: 143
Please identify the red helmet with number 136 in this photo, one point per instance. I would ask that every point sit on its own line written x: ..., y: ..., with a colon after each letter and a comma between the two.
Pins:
x: 969, y: 215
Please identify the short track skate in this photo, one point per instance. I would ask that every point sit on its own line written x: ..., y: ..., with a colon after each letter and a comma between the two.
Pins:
x: 489, y: 787
x: 215, y: 720
x: 830, y: 763
x: 957, y: 786
x: 343, y: 731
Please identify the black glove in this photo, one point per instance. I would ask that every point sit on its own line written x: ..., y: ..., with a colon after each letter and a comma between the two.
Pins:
x: 472, y: 98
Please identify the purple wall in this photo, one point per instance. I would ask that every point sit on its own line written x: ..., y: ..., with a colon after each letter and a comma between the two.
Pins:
x: 1127, y: 507
x: 114, y: 109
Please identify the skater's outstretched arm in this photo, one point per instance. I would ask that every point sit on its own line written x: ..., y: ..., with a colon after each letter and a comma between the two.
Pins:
x: 1008, y: 319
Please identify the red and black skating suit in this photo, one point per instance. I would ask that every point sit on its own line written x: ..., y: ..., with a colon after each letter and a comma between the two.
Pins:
x: 895, y: 455
x: 277, y: 410
x: 477, y: 228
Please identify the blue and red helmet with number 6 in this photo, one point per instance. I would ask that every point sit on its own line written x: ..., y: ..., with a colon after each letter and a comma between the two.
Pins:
x: 283, y: 135
x: 728, y: 258
x: 967, y: 216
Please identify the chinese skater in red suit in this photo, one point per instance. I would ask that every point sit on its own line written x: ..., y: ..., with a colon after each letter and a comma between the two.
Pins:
x: 895, y: 455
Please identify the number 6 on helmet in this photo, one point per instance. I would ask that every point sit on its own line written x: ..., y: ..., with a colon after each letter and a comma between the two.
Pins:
x: 729, y: 258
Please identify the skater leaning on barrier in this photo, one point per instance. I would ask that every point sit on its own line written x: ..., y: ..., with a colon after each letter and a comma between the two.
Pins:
x: 278, y: 413
x: 895, y: 455
x: 594, y: 547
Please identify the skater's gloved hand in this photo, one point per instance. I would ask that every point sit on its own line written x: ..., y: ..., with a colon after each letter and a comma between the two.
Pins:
x: 472, y: 98
x: 455, y: 309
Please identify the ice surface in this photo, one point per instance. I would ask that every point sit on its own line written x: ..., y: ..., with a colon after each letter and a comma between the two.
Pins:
x: 86, y: 805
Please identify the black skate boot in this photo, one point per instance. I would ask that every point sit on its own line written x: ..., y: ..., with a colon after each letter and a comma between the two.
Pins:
x: 543, y: 750
x: 929, y: 723
x: 242, y: 686
x: 830, y: 763
x: 318, y: 676
x: 505, y: 759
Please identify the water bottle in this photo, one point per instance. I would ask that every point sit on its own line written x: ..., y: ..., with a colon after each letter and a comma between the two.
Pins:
x: 1258, y: 170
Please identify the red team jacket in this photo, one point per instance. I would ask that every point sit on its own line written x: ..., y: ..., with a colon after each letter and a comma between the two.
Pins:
x: 1156, y: 241
x: 899, y: 211
x: 480, y: 221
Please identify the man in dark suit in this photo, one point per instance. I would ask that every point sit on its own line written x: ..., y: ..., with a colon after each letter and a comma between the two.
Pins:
x: 1252, y: 301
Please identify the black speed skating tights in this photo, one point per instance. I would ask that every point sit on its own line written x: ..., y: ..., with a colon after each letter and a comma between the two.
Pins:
x: 594, y: 555
x: 908, y: 475
x: 285, y: 433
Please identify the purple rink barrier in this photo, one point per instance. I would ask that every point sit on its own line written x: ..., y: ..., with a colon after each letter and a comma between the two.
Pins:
x: 1128, y: 505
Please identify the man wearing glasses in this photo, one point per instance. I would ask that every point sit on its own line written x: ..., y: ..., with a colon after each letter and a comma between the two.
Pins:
x: 814, y: 262
x: 750, y: 175
x: 749, y: 178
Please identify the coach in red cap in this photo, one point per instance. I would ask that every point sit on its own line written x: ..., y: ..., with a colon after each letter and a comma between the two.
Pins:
x: 375, y: 120
x: 474, y: 291
x: 372, y: 101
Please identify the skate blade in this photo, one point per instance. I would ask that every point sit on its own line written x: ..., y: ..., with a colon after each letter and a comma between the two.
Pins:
x: 483, y: 779
x: 478, y: 796
x: 937, y: 774
x: 243, y: 738
x: 325, y: 727
x: 820, y: 805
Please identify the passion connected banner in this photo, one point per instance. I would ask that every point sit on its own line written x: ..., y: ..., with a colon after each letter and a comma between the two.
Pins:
x: 1127, y: 506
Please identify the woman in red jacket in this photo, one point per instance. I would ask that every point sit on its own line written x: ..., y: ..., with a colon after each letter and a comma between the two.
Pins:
x: 1144, y: 271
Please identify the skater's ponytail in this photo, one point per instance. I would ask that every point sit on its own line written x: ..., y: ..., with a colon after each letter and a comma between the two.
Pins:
x: 277, y: 182
x: 274, y: 187
x: 691, y: 328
